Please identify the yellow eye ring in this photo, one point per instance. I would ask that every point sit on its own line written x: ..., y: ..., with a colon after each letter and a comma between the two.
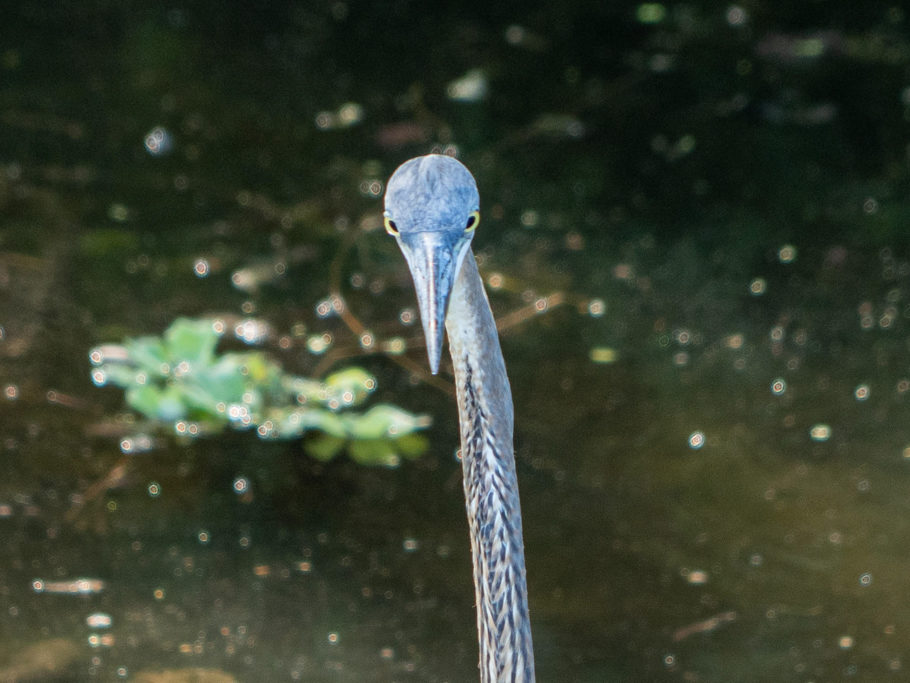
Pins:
x: 473, y: 221
x: 390, y: 226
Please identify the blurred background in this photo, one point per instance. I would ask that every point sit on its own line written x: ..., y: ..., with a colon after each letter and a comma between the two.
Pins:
x: 695, y: 238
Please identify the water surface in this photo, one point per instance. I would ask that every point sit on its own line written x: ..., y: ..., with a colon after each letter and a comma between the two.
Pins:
x: 695, y: 233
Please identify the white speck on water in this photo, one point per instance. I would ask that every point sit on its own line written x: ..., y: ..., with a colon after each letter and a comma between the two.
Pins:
x: 737, y: 16
x: 471, y: 87
x: 407, y: 316
x: 118, y: 212
x: 139, y: 443
x: 319, y: 343
x: 650, y: 13
x: 696, y: 577
x: 395, y: 346
x: 820, y: 432
x: 603, y: 355
x: 786, y: 254
x: 529, y: 218
x: 158, y: 141
x: 252, y: 331
x: 349, y: 114
x: 98, y: 620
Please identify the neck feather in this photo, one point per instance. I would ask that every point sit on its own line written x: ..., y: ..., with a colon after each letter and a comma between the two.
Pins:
x: 490, y: 484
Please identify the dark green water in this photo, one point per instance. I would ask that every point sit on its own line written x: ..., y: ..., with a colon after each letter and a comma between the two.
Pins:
x: 727, y: 499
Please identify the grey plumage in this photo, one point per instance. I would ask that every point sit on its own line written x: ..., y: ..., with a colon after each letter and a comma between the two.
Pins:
x: 431, y: 206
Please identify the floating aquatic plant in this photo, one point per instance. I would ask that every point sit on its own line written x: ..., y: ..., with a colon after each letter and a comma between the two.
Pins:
x: 180, y: 380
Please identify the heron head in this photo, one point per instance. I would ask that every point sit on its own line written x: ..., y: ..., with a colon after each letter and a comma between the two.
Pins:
x: 431, y: 208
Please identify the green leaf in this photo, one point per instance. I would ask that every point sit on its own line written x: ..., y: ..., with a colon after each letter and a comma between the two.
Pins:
x: 121, y: 375
x: 386, y: 421
x: 374, y: 452
x: 149, y: 354
x: 193, y: 341
x: 412, y: 446
x: 144, y: 398
x: 324, y: 447
x: 295, y: 421
x: 349, y: 386
x: 156, y: 403
x: 200, y: 400
x: 225, y: 380
x: 303, y: 387
x: 179, y: 376
x: 325, y: 421
x: 256, y: 367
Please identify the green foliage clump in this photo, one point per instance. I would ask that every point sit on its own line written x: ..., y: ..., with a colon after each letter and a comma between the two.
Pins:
x: 179, y: 379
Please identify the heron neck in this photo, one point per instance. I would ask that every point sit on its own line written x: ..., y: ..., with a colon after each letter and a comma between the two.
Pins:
x: 490, y: 485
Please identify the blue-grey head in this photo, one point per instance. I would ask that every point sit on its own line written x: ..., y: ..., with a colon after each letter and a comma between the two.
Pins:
x: 432, y: 209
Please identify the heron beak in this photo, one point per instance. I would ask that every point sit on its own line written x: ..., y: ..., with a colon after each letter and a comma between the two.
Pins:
x: 431, y: 257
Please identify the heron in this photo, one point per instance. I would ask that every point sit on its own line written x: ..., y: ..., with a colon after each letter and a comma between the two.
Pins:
x: 432, y: 209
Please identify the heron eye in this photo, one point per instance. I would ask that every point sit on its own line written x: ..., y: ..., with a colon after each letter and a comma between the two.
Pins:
x: 390, y: 226
x: 473, y: 220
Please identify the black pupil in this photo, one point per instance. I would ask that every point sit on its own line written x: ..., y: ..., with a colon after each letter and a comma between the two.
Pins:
x: 471, y: 220
x: 393, y: 227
